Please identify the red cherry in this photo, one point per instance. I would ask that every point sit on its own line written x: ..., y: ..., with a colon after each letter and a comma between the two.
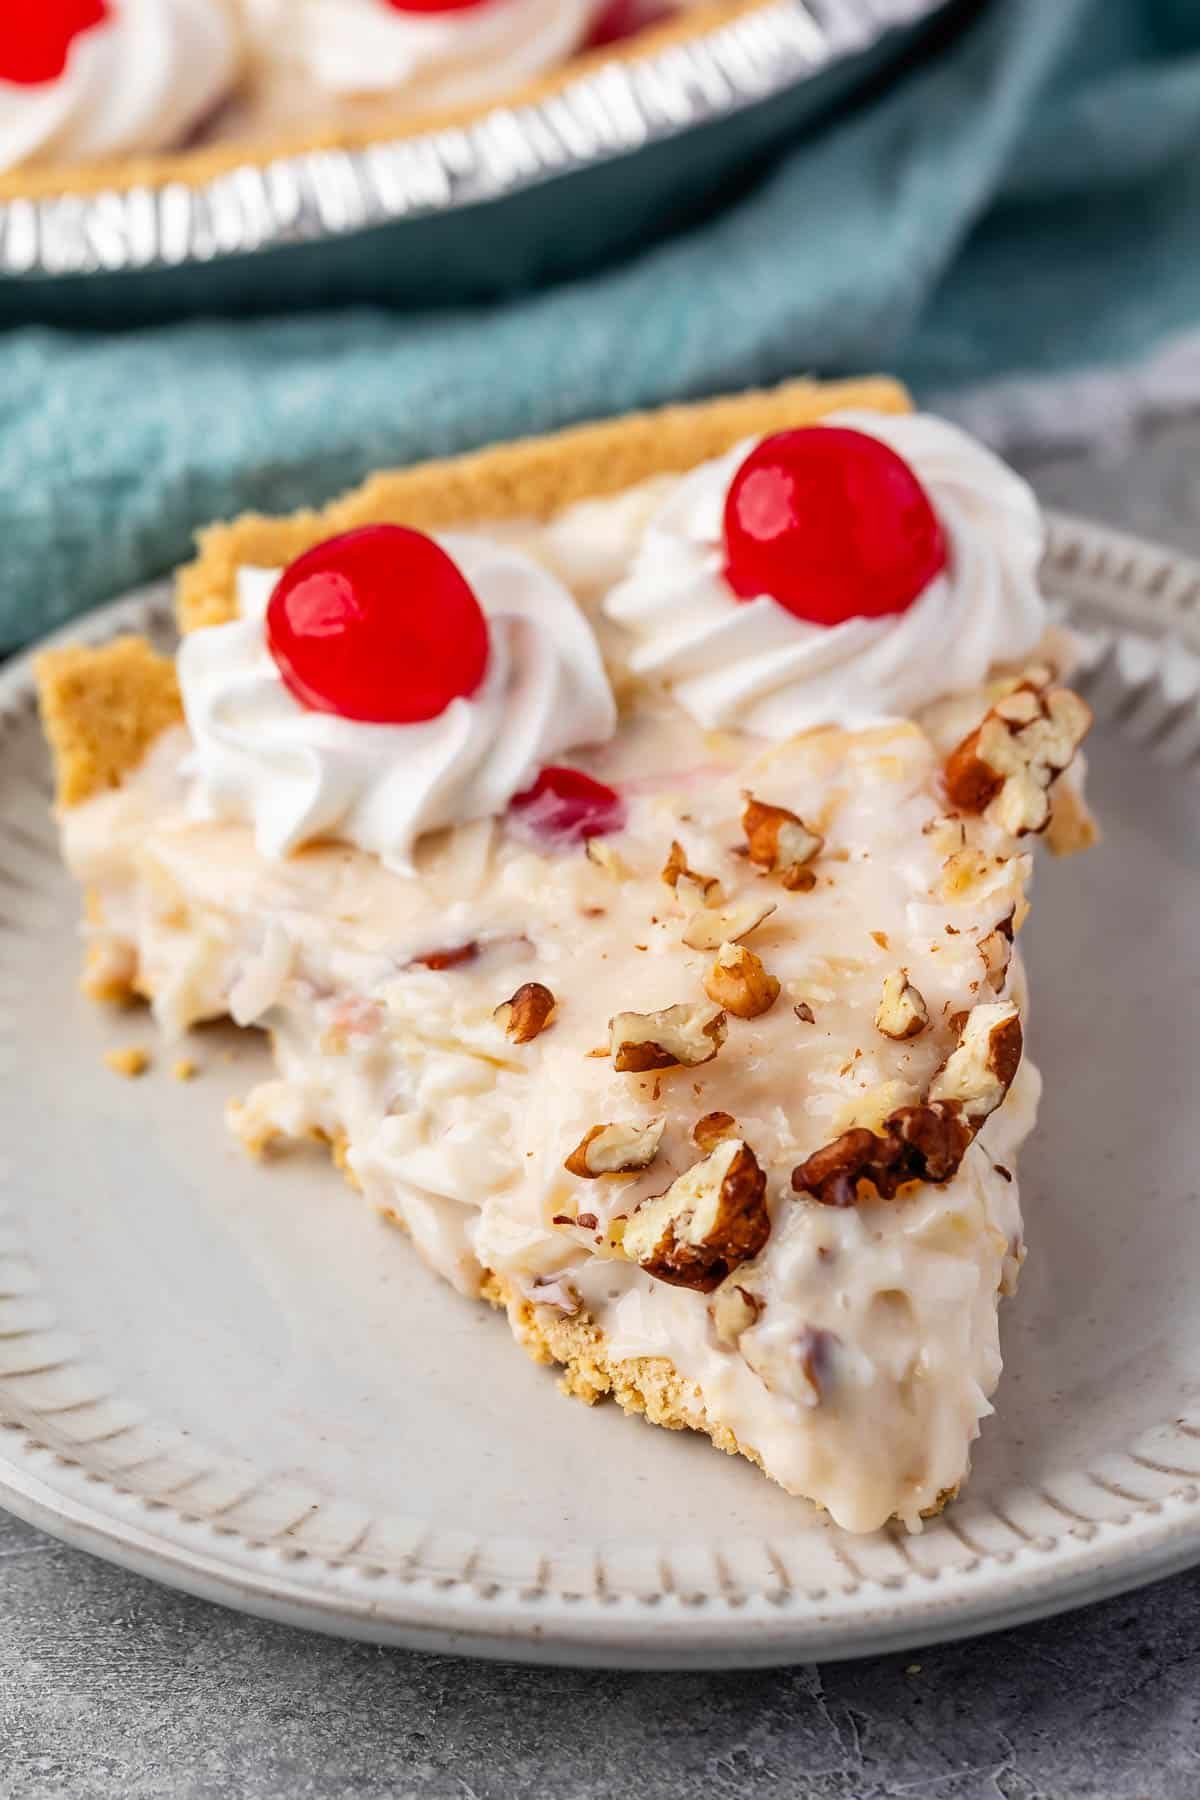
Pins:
x: 35, y: 46
x: 377, y: 625
x: 832, y: 524
x: 435, y: 6
x: 568, y: 806
x: 622, y: 18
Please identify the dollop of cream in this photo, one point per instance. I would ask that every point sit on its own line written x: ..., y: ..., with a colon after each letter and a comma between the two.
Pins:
x: 261, y: 757
x: 344, y: 48
x: 753, y: 666
x: 141, y: 80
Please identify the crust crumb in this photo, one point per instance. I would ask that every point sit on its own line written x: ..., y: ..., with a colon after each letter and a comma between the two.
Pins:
x: 129, y: 1062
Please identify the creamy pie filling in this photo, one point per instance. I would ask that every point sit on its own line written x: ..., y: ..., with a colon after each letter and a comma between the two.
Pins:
x: 863, y: 1375
x: 723, y: 1103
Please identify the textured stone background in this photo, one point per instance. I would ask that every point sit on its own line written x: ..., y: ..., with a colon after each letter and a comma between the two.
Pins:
x: 112, y: 1689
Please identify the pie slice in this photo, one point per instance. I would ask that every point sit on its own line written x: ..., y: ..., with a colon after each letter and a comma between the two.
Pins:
x: 624, y: 839
x: 99, y: 95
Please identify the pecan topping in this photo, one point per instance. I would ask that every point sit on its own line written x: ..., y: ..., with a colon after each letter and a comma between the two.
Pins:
x: 555, y: 1291
x: 709, y: 930
x: 996, y: 951
x: 711, y: 1219
x: 917, y: 1143
x: 733, y: 1309
x: 599, y: 851
x: 1008, y: 764
x: 615, y: 1149
x: 704, y: 890
x: 739, y: 982
x: 981, y: 1070
x: 1072, y: 827
x: 926, y: 1142
x: 780, y: 840
x: 816, y: 1351
x: 709, y: 1131
x: 527, y: 1013
x: 688, y: 1034
x: 902, y: 1012
x: 1034, y: 675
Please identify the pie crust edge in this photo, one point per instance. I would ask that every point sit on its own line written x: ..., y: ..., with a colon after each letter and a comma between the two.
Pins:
x: 103, y: 706
x: 208, y: 162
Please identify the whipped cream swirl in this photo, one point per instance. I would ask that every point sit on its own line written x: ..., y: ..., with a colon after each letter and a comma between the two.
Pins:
x: 753, y: 666
x: 365, y: 47
x: 140, y: 80
x: 261, y: 757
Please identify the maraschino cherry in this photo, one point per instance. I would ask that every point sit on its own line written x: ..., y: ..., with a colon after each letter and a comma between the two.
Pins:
x: 435, y: 6
x: 567, y: 806
x: 378, y: 625
x: 34, y: 47
x: 832, y: 524
x: 622, y: 18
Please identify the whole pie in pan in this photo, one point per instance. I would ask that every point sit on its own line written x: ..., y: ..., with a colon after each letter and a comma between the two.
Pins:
x: 111, y: 93
x: 624, y: 838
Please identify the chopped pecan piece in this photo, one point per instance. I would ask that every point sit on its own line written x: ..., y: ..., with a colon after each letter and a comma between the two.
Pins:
x: 712, y: 1218
x: 916, y: 1143
x: 996, y: 951
x: 780, y: 840
x: 733, y: 1309
x: 709, y: 930
x: 804, y: 1013
x: 712, y: 1129
x: 947, y: 835
x: 689, y: 1034
x: 1037, y: 676
x: 1008, y: 764
x: 598, y: 850
x: 553, y: 1290
x: 980, y: 1072
x: 615, y: 1149
x: 527, y: 1013
x: 902, y: 1012
x: 739, y: 982
x: 1072, y: 827
x: 704, y: 889
x: 815, y: 1351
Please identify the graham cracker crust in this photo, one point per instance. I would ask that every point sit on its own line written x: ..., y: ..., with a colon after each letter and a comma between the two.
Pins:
x: 531, y: 478
x: 102, y: 708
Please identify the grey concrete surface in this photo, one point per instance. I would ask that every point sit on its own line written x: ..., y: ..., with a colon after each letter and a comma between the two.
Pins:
x: 112, y: 1688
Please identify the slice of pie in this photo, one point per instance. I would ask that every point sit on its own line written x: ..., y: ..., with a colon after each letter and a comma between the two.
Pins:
x: 99, y: 94
x: 623, y: 838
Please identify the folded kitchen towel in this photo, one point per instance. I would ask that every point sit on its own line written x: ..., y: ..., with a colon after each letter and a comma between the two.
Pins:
x: 1015, y: 214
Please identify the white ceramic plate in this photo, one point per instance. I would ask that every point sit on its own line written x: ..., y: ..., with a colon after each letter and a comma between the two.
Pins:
x: 238, y: 1381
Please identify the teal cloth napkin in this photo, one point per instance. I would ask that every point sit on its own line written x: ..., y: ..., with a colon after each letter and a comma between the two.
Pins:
x: 1027, y: 201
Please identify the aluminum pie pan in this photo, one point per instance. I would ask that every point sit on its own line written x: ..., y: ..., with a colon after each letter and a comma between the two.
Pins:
x: 742, y: 84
